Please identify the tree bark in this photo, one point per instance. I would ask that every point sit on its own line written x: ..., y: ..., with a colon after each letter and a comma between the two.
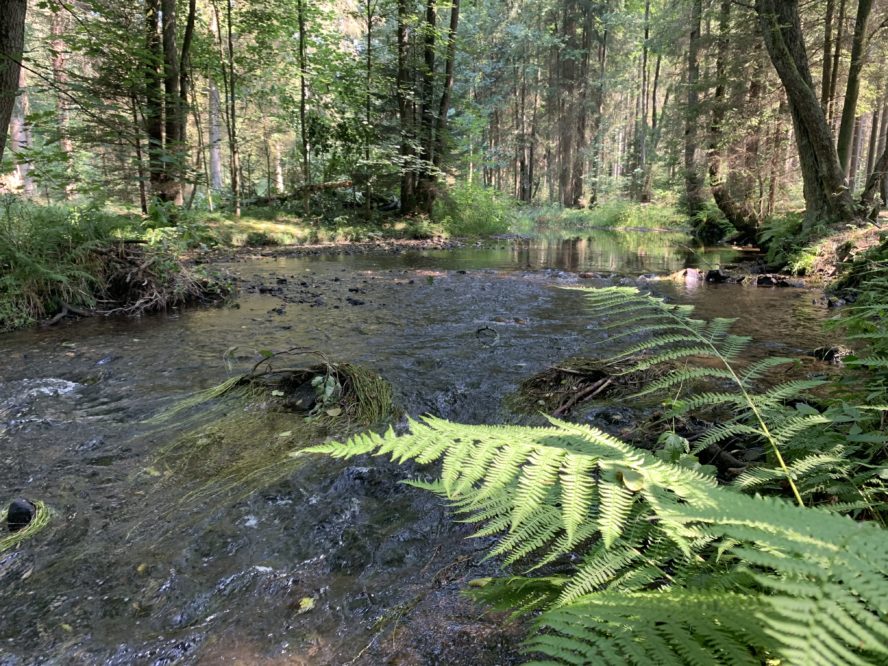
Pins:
x: 154, y: 99
x: 303, y: 99
x: 836, y: 59
x: 827, y: 55
x: 405, y: 115
x: 425, y: 183
x: 20, y: 135
x: 173, y: 120
x: 827, y: 198
x: 12, y: 43
x: 693, y: 182
x: 740, y: 218
x: 58, y: 55
x: 852, y: 90
x: 444, y: 107
x: 215, y: 136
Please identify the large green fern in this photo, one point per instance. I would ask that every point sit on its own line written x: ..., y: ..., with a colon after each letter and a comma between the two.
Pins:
x: 700, y: 573
x: 631, y: 559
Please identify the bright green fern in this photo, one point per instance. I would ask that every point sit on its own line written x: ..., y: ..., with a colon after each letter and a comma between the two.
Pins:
x: 699, y: 573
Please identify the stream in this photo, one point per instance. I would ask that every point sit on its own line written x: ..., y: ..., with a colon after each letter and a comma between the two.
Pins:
x: 314, y: 561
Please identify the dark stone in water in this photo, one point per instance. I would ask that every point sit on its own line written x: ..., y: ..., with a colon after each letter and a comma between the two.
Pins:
x: 21, y: 513
x: 354, y: 301
x: 716, y: 276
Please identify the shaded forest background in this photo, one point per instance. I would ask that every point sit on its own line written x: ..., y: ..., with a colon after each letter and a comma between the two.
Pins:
x: 734, y: 111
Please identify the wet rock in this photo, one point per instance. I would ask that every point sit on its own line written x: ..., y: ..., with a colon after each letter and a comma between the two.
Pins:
x: 831, y: 354
x: 715, y: 276
x: 319, y: 301
x: 772, y: 281
x: 302, y: 398
x: 835, y: 302
x: 354, y: 301
x: 356, y: 480
x: 20, y: 514
x: 91, y: 444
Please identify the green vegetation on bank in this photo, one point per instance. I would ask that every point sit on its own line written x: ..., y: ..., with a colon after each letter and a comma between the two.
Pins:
x: 56, y: 260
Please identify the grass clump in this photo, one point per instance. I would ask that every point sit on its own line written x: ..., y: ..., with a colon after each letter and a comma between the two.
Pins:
x: 56, y: 260
x: 37, y: 524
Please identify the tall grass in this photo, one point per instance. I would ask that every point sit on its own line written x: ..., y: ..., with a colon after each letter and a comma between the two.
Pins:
x: 49, y: 256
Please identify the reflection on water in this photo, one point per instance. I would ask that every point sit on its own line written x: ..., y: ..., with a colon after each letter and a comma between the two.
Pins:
x: 134, y: 570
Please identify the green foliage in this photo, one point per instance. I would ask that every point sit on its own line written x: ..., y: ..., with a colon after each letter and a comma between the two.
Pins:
x: 789, y: 245
x: 834, y: 453
x: 710, y: 225
x: 471, y: 210
x: 609, y: 215
x: 629, y: 556
x: 48, y: 257
x: 675, y: 569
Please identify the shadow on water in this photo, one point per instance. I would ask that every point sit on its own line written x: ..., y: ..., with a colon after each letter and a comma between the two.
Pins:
x: 313, y: 562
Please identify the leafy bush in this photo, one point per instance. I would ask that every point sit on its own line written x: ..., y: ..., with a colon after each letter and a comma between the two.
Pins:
x: 710, y: 225
x: 471, y: 210
x: 259, y: 239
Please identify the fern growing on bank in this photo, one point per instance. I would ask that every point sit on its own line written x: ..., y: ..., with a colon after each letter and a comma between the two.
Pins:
x: 824, y: 457
x: 675, y: 569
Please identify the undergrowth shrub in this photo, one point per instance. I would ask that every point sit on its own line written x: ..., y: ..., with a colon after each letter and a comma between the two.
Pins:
x: 789, y: 246
x: 628, y: 556
x: 710, y: 225
x: 472, y: 210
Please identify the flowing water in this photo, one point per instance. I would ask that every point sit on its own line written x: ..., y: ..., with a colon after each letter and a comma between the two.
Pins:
x: 150, y: 559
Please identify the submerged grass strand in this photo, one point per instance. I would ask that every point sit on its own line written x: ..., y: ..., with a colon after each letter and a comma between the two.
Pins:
x: 38, y: 523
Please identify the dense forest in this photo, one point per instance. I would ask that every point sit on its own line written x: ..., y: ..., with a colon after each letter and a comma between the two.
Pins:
x: 755, y: 109
x: 297, y: 295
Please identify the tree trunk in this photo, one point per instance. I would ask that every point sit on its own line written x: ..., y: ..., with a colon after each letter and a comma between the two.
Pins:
x: 185, y: 70
x: 140, y: 161
x: 215, y: 132
x: 827, y: 198
x: 836, y: 59
x: 58, y: 27
x: 154, y: 99
x: 405, y: 115
x: 425, y: 185
x: 12, y: 43
x: 734, y: 213
x: 303, y: 99
x: 232, y: 117
x: 827, y: 55
x: 444, y: 107
x: 579, y: 139
x: 693, y: 182
x: 172, y: 191
x: 852, y: 90
x: 20, y: 135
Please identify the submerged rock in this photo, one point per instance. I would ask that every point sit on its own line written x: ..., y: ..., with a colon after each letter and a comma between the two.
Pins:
x: 20, y: 514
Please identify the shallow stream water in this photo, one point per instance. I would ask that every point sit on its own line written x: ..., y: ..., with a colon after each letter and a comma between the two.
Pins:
x: 151, y: 560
